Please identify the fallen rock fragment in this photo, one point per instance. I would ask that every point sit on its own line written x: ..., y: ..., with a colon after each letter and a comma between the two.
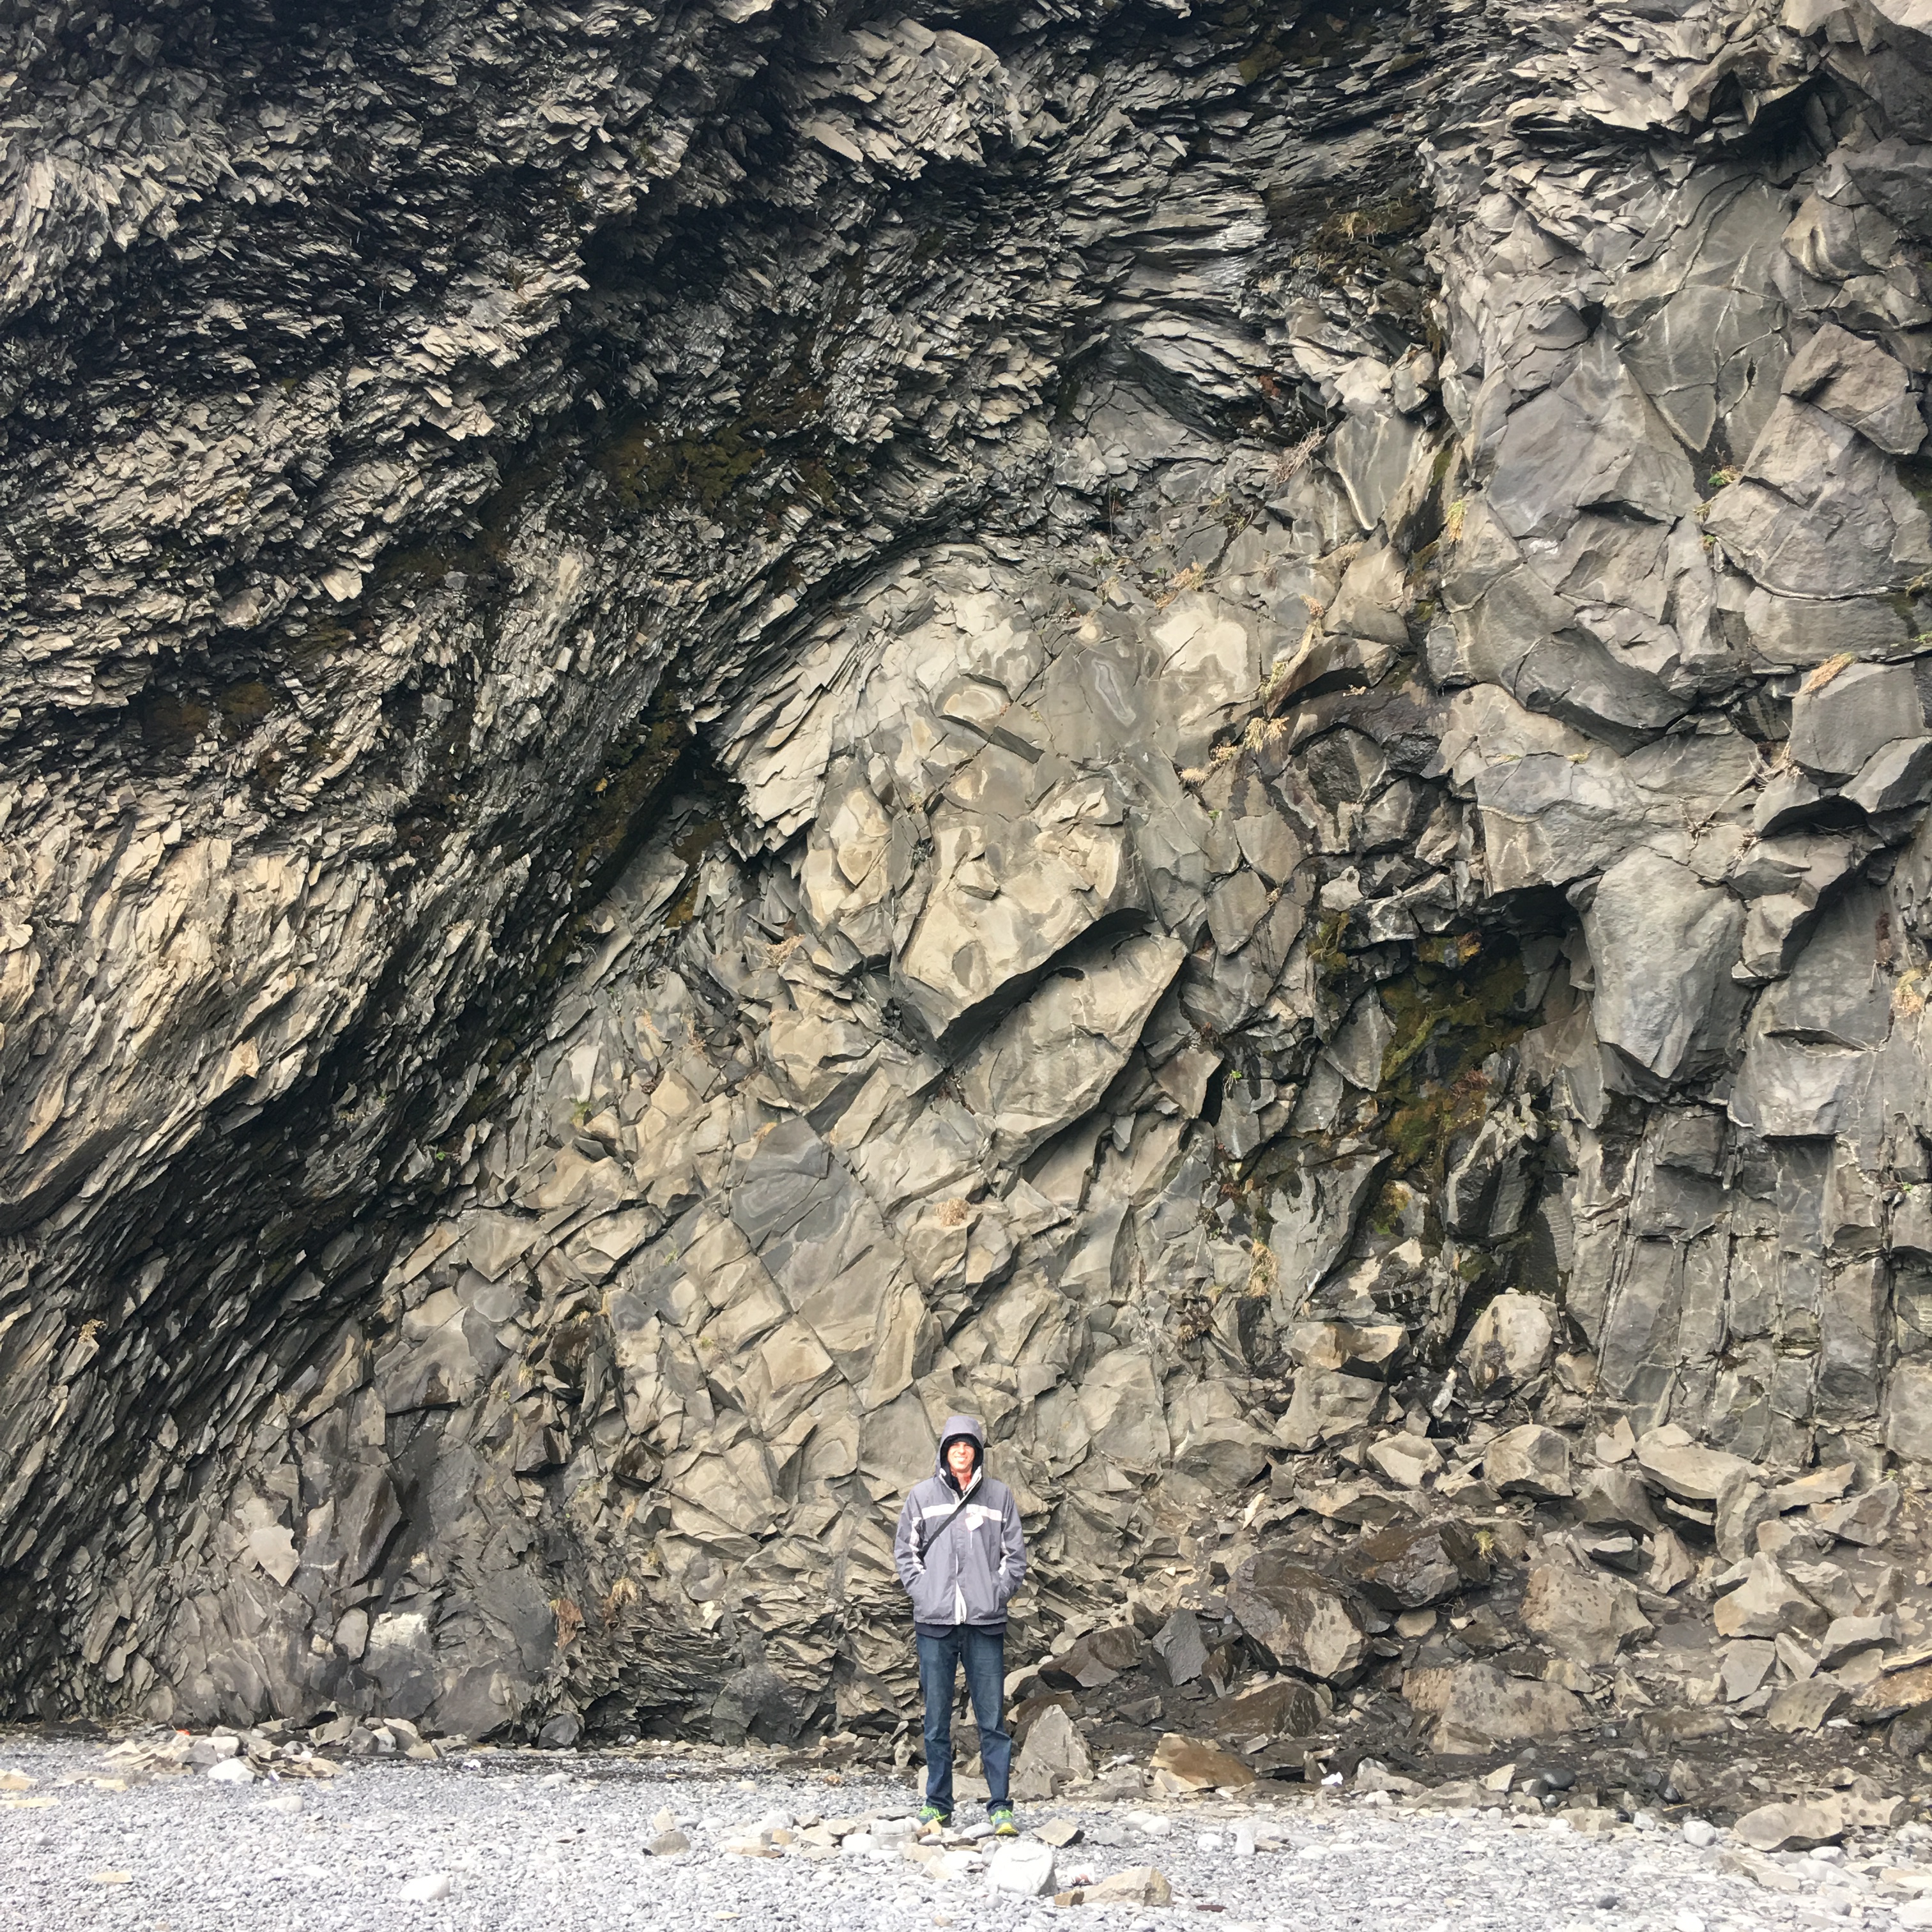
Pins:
x: 1531, y: 1461
x: 1766, y: 1604
x: 1791, y: 1827
x: 1022, y: 1867
x: 1586, y: 1618
x: 1053, y: 1755
x: 1672, y: 1462
x: 1866, y: 1519
x: 1198, y: 1765
x: 1297, y: 1616
x: 1482, y: 1708
x: 1138, y: 1885
x: 1405, y: 1569
x: 1804, y: 1707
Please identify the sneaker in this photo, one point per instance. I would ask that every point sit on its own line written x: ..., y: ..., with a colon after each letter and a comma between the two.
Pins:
x: 1003, y: 1823
x: 932, y: 1819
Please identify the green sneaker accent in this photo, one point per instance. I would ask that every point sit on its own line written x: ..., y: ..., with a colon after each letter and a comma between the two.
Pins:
x: 1003, y: 1825
x: 931, y: 1819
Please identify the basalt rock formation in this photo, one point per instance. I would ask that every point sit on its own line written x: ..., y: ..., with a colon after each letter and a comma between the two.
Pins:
x: 1204, y: 728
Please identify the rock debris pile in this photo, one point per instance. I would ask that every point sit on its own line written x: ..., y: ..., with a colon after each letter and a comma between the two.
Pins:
x: 1207, y: 732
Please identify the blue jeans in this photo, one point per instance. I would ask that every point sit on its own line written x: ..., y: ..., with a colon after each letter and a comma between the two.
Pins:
x: 983, y: 1652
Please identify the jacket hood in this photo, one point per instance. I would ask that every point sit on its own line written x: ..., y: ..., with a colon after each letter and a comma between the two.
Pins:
x: 957, y: 1425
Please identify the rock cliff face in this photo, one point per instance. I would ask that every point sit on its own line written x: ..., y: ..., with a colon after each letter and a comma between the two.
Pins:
x: 1204, y: 729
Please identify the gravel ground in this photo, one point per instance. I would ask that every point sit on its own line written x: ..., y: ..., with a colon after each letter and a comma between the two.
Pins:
x: 526, y: 1846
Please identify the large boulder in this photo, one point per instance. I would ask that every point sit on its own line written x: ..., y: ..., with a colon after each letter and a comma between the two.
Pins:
x: 1767, y: 1603
x: 1531, y: 1461
x: 1053, y: 1755
x: 1483, y: 1708
x: 1287, y: 1708
x: 1584, y: 1617
x: 1509, y: 1345
x: 1303, y: 1620
x: 1405, y: 1568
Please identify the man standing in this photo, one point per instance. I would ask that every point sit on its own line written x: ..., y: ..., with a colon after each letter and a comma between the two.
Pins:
x: 960, y: 1557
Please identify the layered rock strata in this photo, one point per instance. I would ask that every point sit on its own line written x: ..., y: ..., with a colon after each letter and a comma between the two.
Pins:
x: 1207, y: 732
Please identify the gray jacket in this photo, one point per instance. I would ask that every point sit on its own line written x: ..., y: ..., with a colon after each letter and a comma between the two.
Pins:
x: 977, y: 1560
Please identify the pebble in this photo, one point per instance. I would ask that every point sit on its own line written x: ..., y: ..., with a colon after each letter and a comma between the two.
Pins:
x: 351, y: 1857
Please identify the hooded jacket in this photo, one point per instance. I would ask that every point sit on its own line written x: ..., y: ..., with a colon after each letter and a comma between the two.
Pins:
x: 973, y: 1563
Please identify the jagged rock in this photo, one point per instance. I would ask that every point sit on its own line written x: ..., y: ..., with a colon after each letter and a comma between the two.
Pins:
x: 1675, y: 1465
x: 1053, y: 1754
x: 1180, y: 1648
x: 1405, y: 1569
x: 1742, y: 1504
x: 1530, y: 1461
x: 1746, y: 1663
x: 1892, y: 1692
x: 1482, y: 1709
x: 1298, y: 1617
x: 1287, y: 1708
x: 1866, y: 1519
x: 1614, y: 1499
x: 1661, y: 939
x: 1198, y: 1765
x: 1791, y: 1827
x: 1138, y: 1885
x: 1766, y: 1603
x: 1838, y: 722
x: 1510, y: 1344
x: 1410, y: 1460
x: 1846, y: 1636
x: 1096, y: 1658
x: 1804, y: 1707
x: 1579, y: 1616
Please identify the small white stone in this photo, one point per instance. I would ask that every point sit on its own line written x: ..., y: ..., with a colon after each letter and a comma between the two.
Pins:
x: 1700, y: 1832
x: 1021, y: 1866
x: 1208, y: 1841
x: 426, y: 1889
x: 230, y: 1771
x: 1688, y: 1922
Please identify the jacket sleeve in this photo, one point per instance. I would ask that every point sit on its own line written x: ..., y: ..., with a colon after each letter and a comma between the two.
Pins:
x: 1012, y: 1550
x: 905, y: 1558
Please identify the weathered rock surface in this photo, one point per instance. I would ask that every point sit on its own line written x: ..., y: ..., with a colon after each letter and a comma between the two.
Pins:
x: 725, y: 729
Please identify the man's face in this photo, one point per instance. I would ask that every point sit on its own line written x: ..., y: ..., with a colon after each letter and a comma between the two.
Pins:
x: 959, y: 1458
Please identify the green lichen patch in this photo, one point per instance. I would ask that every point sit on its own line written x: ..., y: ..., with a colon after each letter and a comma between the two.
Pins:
x: 1461, y: 1002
